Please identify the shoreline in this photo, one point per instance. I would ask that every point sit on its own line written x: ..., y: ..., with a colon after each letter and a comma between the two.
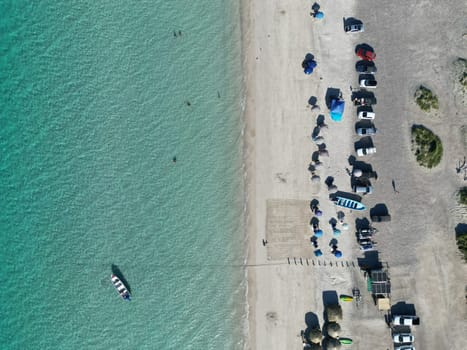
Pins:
x: 247, y: 23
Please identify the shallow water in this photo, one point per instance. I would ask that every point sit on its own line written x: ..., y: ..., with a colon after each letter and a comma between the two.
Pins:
x: 97, y: 99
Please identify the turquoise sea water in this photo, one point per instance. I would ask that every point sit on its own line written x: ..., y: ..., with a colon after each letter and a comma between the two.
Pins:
x: 97, y: 97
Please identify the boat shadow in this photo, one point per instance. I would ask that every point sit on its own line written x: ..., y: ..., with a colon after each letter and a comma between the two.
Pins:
x: 117, y: 272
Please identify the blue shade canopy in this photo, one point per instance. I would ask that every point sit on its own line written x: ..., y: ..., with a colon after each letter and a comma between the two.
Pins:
x: 337, y: 109
x: 318, y: 233
x: 310, y: 66
x: 319, y: 15
x: 318, y: 252
x: 336, y: 232
x: 338, y: 254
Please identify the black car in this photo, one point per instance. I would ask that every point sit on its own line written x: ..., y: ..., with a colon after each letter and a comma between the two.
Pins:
x: 365, y: 67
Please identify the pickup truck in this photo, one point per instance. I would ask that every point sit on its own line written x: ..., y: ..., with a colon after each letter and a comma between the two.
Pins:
x: 406, y: 320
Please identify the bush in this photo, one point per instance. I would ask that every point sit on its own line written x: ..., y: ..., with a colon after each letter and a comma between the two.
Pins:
x: 462, y: 244
x: 426, y: 146
x: 463, y: 196
x: 425, y: 99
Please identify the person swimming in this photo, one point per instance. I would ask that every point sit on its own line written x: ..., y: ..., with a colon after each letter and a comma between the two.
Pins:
x: 174, y: 159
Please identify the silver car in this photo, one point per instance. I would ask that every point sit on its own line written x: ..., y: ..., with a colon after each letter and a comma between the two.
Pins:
x: 354, y: 28
x: 365, y: 151
x: 367, y: 131
x: 403, y: 338
x: 366, y: 115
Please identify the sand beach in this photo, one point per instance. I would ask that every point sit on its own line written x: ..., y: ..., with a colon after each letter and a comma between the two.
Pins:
x: 287, y: 285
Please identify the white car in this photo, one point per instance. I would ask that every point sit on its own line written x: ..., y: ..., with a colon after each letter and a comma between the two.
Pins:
x: 366, y: 115
x: 405, y: 347
x: 365, y: 151
x: 368, y: 83
x: 405, y: 320
x: 403, y: 338
x: 354, y: 28
x: 368, y: 131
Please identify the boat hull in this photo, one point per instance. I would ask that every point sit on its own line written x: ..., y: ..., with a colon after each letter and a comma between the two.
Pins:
x: 121, y: 288
x: 349, y: 203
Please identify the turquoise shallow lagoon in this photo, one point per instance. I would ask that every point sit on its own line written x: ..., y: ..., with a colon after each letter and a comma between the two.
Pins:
x: 97, y: 97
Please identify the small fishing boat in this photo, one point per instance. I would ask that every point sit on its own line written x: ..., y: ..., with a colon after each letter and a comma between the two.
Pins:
x: 349, y: 203
x: 346, y: 298
x: 121, y: 288
x: 345, y: 341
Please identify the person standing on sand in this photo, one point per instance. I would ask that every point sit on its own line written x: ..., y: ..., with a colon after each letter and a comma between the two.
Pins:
x: 394, y: 186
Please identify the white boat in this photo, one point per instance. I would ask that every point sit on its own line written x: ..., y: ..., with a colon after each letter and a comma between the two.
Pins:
x: 121, y: 288
x: 349, y: 203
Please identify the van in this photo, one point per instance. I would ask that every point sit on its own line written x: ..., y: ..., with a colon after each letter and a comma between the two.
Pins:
x: 363, y: 189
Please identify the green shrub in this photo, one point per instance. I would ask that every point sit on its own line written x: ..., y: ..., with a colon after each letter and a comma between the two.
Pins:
x: 426, y: 146
x: 462, y: 243
x: 425, y: 99
x: 463, y: 196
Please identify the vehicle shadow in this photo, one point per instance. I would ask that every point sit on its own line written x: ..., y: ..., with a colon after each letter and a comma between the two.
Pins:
x: 348, y: 195
x: 364, y: 142
x: 370, y: 261
x: 379, y: 209
x: 347, y: 21
x: 331, y: 93
x: 362, y: 223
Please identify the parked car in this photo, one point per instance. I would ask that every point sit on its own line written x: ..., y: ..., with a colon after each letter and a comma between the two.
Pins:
x: 368, y: 115
x: 405, y: 320
x: 354, y: 28
x: 365, y: 151
x: 365, y: 67
x: 364, y: 100
x: 403, y: 338
x: 366, y: 244
x: 359, y: 173
x: 362, y: 189
x: 367, y: 131
x: 366, y: 54
x: 368, y: 83
x: 405, y: 347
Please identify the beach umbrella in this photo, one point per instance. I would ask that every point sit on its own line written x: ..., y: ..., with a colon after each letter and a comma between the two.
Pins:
x: 315, y: 346
x: 319, y: 15
x: 319, y: 233
x: 357, y: 173
x: 336, y: 232
x: 338, y: 254
x: 315, y: 335
x: 345, y: 226
x: 333, y: 329
x: 319, y: 213
x: 333, y: 344
x: 334, y: 313
x: 318, y: 252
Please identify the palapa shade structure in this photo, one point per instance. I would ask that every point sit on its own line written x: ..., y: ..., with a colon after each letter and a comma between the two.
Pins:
x: 333, y: 329
x: 314, y: 346
x: 332, y: 344
x: 334, y: 313
x: 315, y: 336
